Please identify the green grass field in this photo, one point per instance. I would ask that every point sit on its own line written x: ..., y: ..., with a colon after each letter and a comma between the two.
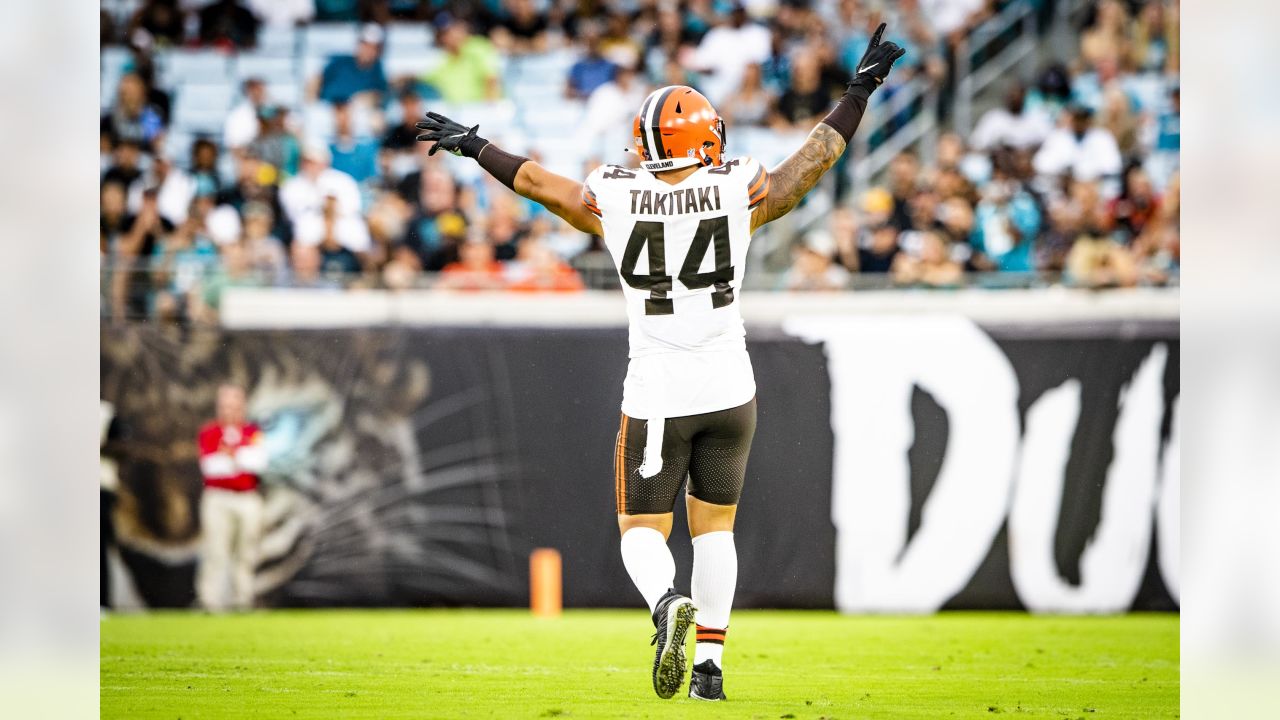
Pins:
x: 595, y: 664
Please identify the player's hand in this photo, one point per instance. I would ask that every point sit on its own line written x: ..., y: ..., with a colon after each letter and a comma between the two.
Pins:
x: 445, y: 133
x: 876, y: 62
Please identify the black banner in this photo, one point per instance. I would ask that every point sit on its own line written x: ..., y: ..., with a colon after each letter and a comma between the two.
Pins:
x: 420, y: 466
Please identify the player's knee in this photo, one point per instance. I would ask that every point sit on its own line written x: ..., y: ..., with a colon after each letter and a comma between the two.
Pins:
x: 660, y: 522
x: 705, y: 517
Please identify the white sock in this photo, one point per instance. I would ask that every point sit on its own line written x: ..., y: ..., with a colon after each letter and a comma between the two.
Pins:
x: 715, y: 576
x: 649, y: 563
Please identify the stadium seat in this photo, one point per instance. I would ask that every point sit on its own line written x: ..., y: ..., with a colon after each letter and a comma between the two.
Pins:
x: 312, y: 66
x: 323, y: 40
x: 272, y: 69
x: 277, y: 41
x: 407, y: 38
x: 202, y: 108
x: 550, y: 118
x: 287, y: 93
x: 398, y: 64
x: 317, y: 121
x: 114, y: 60
x: 177, y: 146
x: 181, y: 67
x: 544, y: 66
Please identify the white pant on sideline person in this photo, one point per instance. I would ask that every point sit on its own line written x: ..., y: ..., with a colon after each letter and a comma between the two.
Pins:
x: 231, y: 526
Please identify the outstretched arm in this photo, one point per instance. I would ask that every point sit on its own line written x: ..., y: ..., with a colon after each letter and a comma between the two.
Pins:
x: 556, y: 193
x: 794, y: 177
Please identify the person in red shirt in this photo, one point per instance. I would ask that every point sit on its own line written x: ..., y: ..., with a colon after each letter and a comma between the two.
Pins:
x: 232, y: 457
x: 476, y: 268
x: 539, y: 269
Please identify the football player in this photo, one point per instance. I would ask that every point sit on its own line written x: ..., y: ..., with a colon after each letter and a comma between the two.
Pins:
x: 678, y: 229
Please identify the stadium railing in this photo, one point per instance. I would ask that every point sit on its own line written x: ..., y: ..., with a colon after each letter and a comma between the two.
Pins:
x: 145, y: 287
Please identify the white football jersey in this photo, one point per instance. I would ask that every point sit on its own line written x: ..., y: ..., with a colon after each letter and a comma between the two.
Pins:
x: 681, y: 251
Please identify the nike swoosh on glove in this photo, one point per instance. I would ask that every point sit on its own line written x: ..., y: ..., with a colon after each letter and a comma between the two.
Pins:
x: 876, y: 62
x: 445, y: 133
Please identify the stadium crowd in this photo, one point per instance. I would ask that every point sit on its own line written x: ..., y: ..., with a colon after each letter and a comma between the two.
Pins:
x: 308, y: 175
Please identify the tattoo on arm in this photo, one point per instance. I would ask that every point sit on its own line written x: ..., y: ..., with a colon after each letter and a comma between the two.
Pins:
x: 799, y: 173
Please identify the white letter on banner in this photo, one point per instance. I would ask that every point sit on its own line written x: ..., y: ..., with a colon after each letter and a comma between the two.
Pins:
x: 874, y: 363
x: 1169, y: 505
x: 1112, y: 564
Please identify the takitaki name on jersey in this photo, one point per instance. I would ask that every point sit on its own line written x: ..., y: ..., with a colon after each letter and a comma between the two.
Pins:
x: 648, y: 202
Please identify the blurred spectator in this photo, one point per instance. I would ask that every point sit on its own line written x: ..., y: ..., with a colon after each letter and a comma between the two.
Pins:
x: 750, y: 104
x: 956, y: 216
x: 845, y: 231
x: 357, y: 157
x: 1080, y: 150
x: 174, y: 188
x: 108, y: 34
x: 229, y: 25
x: 401, y: 270
x: 1097, y: 261
x: 1164, y: 158
x: 931, y: 266
x: 157, y: 22
x: 1158, y: 248
x: 126, y: 164
x: 305, y: 195
x: 338, y: 10
x: 283, y: 13
x: 1013, y: 124
x: 618, y: 43
x: 130, y: 254
x: 241, y: 126
x: 266, y: 255
x: 521, y: 29
x: 222, y: 225
x: 132, y: 117
x: 1108, y: 37
x: 805, y: 100
x: 813, y: 268
x: 305, y: 260
x: 113, y: 219
x: 236, y: 271
x: 537, y: 268
x: 591, y: 70
x: 403, y: 136
x: 669, y: 37
x: 204, y: 167
x: 904, y: 175
x: 1006, y: 223
x: 475, y: 269
x: 610, y: 109
x: 1155, y: 37
x: 469, y: 71
x: 503, y: 227
x: 232, y: 457
x: 1136, y: 205
x: 275, y: 145
x: 347, y: 76
x: 596, y: 266
x: 437, y: 222
x: 727, y: 49
x: 951, y: 16
x: 1120, y: 120
x: 255, y: 183
x: 776, y: 68
x: 340, y: 235
x: 880, y: 253
x: 181, y: 260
